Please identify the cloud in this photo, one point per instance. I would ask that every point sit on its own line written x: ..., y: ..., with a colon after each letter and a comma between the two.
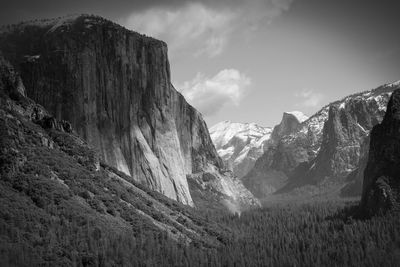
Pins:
x: 209, y: 95
x: 192, y: 26
x: 202, y: 27
x: 309, y: 98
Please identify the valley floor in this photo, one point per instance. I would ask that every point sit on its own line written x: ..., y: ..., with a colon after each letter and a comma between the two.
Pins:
x: 309, y: 194
x: 321, y: 233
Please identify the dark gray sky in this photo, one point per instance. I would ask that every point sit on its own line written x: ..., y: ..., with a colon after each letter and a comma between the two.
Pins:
x: 249, y: 61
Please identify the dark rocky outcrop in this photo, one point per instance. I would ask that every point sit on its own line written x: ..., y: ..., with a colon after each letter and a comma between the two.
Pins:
x: 52, y: 133
x: 114, y: 86
x: 381, y: 188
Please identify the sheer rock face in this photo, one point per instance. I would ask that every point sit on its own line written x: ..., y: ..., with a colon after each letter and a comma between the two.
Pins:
x: 354, y: 180
x: 290, y: 123
x: 381, y: 188
x: 113, y: 85
x: 344, y: 132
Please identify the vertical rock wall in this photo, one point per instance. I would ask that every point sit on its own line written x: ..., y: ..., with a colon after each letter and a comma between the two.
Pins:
x: 114, y: 86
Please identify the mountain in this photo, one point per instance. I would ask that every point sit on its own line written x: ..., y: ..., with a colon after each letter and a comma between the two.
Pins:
x: 327, y: 145
x: 289, y: 123
x: 381, y: 187
x: 113, y: 86
x: 268, y: 173
x: 61, y: 205
x: 239, y: 144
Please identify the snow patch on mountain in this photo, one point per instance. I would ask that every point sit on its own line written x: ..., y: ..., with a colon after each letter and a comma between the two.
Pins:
x: 239, y: 144
x: 300, y: 116
x: 393, y: 84
x: 223, y: 132
x: 315, y: 124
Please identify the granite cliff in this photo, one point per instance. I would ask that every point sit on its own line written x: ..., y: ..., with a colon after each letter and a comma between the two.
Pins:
x: 113, y: 86
x: 381, y: 187
x: 50, y: 178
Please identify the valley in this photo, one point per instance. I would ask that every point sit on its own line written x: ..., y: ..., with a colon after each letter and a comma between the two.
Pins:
x: 104, y: 163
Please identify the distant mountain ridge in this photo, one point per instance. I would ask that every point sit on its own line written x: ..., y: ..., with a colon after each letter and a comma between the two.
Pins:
x: 318, y: 147
x: 239, y: 144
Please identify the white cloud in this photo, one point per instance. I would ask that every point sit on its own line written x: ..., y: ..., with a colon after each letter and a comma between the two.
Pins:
x: 190, y: 26
x: 209, y: 95
x: 203, y: 27
x: 309, y: 98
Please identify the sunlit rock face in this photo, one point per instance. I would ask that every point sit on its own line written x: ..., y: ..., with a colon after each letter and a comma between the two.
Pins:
x: 113, y: 85
x: 381, y: 188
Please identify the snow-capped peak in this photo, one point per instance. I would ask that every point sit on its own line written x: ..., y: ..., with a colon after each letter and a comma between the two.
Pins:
x: 240, y: 144
x: 393, y: 84
x: 223, y: 132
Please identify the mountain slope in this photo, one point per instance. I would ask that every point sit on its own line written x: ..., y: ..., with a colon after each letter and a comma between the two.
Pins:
x: 327, y: 145
x: 239, y: 144
x: 62, y: 206
x: 113, y: 85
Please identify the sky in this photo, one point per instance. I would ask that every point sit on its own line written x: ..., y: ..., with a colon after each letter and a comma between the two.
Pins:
x: 249, y: 61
